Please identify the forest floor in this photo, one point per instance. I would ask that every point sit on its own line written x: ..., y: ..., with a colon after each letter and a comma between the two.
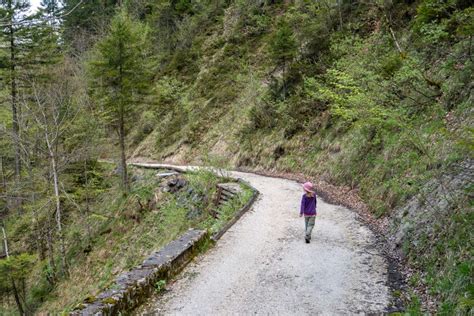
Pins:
x: 262, y: 264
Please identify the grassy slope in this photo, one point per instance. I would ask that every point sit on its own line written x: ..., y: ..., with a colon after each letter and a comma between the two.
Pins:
x: 121, y: 233
x: 358, y: 114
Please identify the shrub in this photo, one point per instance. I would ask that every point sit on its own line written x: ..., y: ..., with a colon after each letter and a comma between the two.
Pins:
x: 263, y: 115
x: 282, y: 43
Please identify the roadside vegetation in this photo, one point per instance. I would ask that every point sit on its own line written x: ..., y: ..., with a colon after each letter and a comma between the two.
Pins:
x: 372, y: 97
x: 375, y: 97
x: 108, y: 233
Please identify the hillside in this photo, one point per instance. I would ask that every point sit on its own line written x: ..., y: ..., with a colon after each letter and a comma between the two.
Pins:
x: 371, y: 98
x: 376, y: 98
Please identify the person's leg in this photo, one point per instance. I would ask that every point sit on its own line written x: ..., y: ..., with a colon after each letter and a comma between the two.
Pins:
x: 306, y: 219
x: 310, y: 226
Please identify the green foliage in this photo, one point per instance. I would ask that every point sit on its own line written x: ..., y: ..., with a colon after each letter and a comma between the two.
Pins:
x: 160, y: 286
x: 464, y: 21
x: 444, y: 255
x: 313, y: 23
x: 263, y: 115
x: 434, y: 11
x: 204, y: 181
x: 349, y: 102
x: 16, y: 267
x: 183, y: 6
x: 118, y: 69
x: 120, y: 76
x: 296, y: 86
x: 83, y: 22
x: 14, y: 272
x: 168, y: 91
x: 282, y: 43
x: 117, y: 232
x: 439, y: 21
x: 254, y: 19
x: 390, y: 65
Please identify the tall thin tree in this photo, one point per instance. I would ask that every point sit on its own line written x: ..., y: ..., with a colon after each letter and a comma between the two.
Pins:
x: 120, y: 73
x: 14, y: 36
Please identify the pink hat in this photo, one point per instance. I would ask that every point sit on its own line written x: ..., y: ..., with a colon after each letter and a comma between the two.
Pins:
x: 308, y: 187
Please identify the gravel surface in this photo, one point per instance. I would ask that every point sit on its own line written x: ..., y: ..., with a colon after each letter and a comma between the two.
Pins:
x: 263, y: 266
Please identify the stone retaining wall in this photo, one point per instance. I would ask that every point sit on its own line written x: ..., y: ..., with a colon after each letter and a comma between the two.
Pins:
x: 239, y: 214
x: 134, y: 287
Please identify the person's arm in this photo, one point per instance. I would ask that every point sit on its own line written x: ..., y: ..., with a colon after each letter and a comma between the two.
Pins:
x: 315, y: 205
x: 302, y: 205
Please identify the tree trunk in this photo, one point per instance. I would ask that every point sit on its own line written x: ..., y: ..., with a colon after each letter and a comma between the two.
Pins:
x: 389, y: 24
x: 123, y: 160
x: 5, y: 242
x: 340, y: 13
x: 58, y: 212
x: 17, y: 299
x: 57, y: 201
x: 13, y: 96
x: 49, y: 245
x: 14, y: 288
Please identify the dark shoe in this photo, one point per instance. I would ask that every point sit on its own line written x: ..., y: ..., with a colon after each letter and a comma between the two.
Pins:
x: 307, y: 240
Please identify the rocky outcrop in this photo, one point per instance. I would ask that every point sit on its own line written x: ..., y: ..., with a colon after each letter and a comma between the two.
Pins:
x: 430, y: 206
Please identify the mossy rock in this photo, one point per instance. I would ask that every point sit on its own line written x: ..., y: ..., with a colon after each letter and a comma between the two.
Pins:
x: 80, y: 306
x: 90, y: 299
x: 109, y: 300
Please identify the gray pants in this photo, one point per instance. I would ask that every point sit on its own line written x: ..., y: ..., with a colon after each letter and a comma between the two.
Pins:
x: 308, y: 226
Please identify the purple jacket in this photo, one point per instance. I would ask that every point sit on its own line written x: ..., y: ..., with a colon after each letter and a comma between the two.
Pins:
x: 308, y: 205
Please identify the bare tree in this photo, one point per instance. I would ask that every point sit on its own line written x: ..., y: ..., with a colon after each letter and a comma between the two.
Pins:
x: 53, y: 111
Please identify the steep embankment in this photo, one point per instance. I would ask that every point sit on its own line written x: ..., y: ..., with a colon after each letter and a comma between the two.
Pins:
x: 374, y: 98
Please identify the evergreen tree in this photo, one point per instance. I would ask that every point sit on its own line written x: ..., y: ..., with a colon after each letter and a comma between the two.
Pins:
x: 13, y: 273
x: 83, y: 20
x: 31, y: 41
x: 120, y: 74
x: 15, y: 38
x: 283, y: 44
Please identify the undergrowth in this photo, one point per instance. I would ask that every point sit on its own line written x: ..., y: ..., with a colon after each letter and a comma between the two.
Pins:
x: 373, y: 97
x: 116, y: 232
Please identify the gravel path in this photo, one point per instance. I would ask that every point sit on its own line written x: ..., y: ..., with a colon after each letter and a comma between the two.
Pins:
x: 263, y: 266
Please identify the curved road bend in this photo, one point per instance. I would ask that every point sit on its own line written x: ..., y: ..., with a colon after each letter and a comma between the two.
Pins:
x: 263, y: 266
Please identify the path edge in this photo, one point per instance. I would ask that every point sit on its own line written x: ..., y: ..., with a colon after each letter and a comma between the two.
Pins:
x: 215, y: 237
x: 134, y: 287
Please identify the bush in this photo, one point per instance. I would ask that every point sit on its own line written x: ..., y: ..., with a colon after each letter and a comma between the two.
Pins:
x: 390, y: 64
x: 282, y: 43
x: 263, y: 115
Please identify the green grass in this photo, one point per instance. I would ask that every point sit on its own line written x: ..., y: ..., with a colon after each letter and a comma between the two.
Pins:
x: 122, y: 232
x: 351, y: 110
x: 446, y: 255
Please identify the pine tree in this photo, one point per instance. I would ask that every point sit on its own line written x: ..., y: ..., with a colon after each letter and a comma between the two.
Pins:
x: 34, y: 46
x: 15, y: 37
x: 85, y: 19
x: 30, y: 42
x: 13, y: 272
x: 120, y: 74
x: 283, y: 44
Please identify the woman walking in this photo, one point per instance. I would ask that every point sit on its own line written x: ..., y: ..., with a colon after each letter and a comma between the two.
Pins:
x: 308, y: 209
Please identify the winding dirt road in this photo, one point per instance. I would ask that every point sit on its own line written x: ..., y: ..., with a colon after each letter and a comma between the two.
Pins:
x: 263, y: 266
